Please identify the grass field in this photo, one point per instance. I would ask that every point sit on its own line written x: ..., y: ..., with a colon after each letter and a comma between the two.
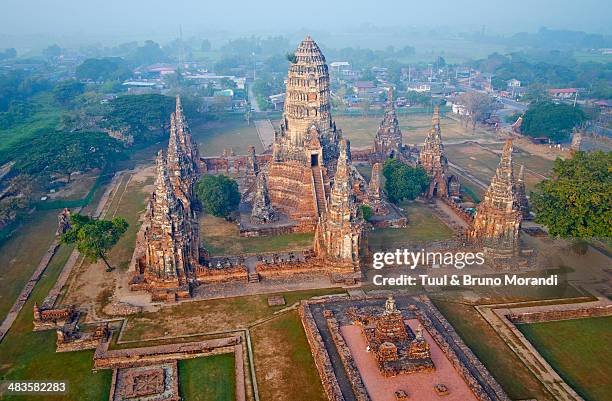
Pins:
x: 284, y: 365
x: 482, y: 162
x: 423, y: 225
x: 579, y: 350
x: 208, y: 379
x: 210, y: 315
x: 21, y: 252
x: 500, y: 360
x: 221, y: 237
x: 28, y: 355
x: 215, y: 136
x: 362, y: 130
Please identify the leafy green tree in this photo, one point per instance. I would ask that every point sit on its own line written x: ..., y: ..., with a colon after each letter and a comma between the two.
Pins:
x: 66, y: 91
x: 218, y: 194
x: 144, y: 116
x: 66, y: 153
x: 402, y: 181
x: 94, y: 238
x: 104, y: 69
x: 577, y: 201
x: 551, y: 120
x: 366, y: 212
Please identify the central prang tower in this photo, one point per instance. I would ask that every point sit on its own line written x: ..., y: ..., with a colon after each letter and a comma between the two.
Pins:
x: 305, y: 148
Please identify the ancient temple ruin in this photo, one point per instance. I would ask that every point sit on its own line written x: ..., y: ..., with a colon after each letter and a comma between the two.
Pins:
x: 433, y: 159
x: 306, y: 146
x: 339, y: 234
x: 397, y: 349
x: 168, y: 253
x: 498, y: 220
x: 388, y: 140
x: 522, y: 203
x: 262, y: 211
x: 375, y: 195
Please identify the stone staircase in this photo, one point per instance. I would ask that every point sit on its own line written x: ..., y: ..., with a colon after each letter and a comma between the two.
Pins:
x: 253, y: 277
x: 319, y: 189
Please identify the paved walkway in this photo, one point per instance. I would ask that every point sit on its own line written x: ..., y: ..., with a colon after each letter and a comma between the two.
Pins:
x: 265, y: 131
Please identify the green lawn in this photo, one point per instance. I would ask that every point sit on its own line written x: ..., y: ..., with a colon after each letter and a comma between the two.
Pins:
x: 208, y: 379
x: 423, y: 225
x: 221, y: 237
x: 514, y: 377
x: 579, y: 350
x: 28, y: 355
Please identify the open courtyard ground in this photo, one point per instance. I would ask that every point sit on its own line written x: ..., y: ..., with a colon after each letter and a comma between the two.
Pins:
x: 579, y: 350
x: 222, y: 237
x: 215, y: 136
x: 362, y: 130
x: 284, y: 365
x: 423, y: 225
x: 210, y: 315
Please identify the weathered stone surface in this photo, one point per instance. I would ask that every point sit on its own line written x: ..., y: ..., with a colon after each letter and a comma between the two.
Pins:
x: 497, y: 222
x: 388, y: 140
x: 339, y: 234
x: 262, y: 211
x: 169, y: 254
x: 433, y: 160
x: 522, y: 203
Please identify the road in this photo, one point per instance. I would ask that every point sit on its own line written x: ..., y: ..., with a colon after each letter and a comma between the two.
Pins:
x: 253, y: 100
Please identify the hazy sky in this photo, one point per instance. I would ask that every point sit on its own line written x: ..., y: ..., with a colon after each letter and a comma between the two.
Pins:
x: 137, y: 19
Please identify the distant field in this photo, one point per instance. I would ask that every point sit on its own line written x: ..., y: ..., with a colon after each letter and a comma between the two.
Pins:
x: 215, y: 136
x: 362, y: 130
x: 221, y: 237
x: 579, y: 350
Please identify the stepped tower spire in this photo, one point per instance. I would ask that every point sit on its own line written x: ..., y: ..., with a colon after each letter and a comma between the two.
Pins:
x: 433, y: 159
x: 498, y: 220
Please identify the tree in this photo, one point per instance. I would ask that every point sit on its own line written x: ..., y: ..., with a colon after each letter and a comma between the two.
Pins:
x: 218, y: 194
x: 104, y: 69
x: 366, y: 212
x: 65, y: 91
x: 94, y: 238
x: 577, y: 201
x: 65, y: 152
x: 52, y: 51
x: 536, y: 93
x: 479, y: 106
x: 205, y: 46
x: 551, y: 120
x: 402, y: 181
x: 140, y: 115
